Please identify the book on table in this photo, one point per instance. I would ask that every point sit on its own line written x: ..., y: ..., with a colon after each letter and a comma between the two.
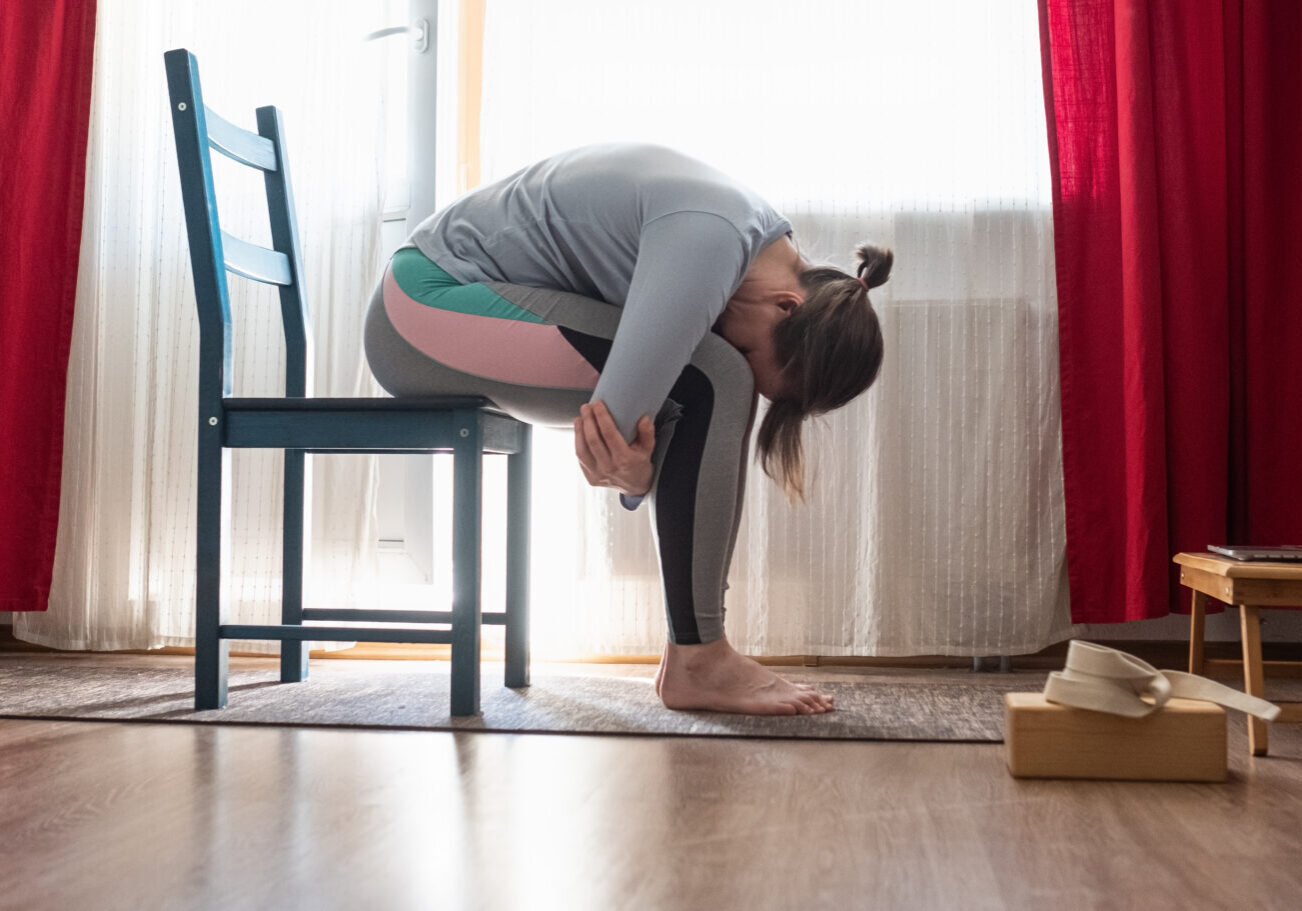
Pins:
x: 1285, y: 553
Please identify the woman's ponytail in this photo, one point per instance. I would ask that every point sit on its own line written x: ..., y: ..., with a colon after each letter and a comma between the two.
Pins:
x: 874, y: 264
x: 831, y: 351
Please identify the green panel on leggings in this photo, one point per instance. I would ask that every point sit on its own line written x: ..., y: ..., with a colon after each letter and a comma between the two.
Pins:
x: 423, y: 281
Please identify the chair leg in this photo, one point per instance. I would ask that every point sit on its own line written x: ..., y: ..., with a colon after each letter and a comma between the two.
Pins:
x: 517, y: 563
x: 1253, y: 674
x: 210, y: 650
x: 467, y: 497
x: 1197, y: 618
x: 293, y: 652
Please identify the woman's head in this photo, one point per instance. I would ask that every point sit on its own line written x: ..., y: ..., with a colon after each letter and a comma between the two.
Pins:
x: 830, y: 350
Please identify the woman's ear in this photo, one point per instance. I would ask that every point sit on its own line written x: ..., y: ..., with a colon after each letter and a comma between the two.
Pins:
x: 788, y: 301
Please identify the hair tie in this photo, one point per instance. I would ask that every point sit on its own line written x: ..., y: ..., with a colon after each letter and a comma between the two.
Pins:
x: 862, y: 282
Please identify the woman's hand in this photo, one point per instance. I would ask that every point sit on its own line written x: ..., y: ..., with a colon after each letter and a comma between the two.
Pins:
x: 607, y: 460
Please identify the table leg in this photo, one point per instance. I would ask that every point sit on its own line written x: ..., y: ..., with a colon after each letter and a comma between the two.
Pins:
x: 1196, y: 620
x: 1253, y: 676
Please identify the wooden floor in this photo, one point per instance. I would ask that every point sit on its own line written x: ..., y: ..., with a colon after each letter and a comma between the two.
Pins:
x: 141, y: 816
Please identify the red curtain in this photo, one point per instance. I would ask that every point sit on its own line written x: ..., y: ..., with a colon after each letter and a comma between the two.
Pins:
x: 46, y: 55
x: 1175, y: 134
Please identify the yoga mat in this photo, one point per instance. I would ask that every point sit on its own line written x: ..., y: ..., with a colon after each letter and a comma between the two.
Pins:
x: 884, y: 704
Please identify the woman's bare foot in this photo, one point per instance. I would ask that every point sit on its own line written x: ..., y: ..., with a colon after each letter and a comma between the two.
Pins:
x: 717, y: 678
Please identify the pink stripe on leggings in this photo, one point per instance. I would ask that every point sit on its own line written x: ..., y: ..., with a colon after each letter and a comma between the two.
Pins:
x: 506, y: 350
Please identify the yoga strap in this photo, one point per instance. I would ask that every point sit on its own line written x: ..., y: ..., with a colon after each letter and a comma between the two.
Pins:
x: 1106, y: 680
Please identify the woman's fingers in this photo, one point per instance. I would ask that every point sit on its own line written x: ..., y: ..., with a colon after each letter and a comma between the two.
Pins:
x: 610, y: 434
x: 593, y: 436
x: 587, y: 460
x: 606, y: 458
x: 620, y: 450
x: 646, y: 436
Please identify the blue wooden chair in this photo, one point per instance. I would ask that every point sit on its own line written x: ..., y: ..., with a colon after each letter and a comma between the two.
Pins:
x: 467, y: 427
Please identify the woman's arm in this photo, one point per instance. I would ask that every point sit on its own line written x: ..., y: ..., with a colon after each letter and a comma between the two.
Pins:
x: 688, y: 264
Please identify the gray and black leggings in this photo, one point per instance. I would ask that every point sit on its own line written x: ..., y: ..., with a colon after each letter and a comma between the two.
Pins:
x: 537, y: 355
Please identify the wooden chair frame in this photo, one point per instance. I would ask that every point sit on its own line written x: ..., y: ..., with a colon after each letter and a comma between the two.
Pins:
x: 465, y: 426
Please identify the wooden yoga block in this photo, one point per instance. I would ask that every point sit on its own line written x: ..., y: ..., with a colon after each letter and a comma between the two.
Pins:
x: 1184, y: 741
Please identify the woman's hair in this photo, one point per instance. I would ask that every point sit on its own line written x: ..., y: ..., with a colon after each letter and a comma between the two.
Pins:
x: 830, y: 349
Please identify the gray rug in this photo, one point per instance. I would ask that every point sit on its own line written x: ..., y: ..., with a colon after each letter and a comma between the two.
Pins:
x: 878, y: 705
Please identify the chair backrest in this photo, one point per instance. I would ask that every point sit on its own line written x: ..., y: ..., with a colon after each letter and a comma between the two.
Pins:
x: 213, y: 252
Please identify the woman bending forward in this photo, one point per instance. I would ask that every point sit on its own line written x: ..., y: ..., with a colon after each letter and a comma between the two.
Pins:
x: 645, y: 299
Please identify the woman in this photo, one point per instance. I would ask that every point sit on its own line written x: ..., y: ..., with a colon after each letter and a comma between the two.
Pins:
x: 644, y: 298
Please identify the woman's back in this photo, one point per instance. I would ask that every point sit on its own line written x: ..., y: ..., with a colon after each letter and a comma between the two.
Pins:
x: 575, y: 222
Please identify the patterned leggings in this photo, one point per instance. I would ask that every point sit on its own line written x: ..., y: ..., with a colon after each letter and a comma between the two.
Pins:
x: 537, y: 355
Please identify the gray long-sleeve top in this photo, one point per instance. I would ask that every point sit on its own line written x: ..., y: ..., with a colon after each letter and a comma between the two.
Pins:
x: 641, y: 227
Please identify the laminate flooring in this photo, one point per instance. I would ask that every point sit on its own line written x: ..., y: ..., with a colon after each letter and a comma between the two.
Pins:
x: 143, y: 816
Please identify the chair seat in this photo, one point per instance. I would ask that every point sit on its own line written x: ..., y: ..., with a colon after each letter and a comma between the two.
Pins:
x: 372, y: 403
x: 343, y: 425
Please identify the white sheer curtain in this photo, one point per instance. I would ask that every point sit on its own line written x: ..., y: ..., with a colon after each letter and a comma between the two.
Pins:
x: 934, y: 522
x: 124, y: 572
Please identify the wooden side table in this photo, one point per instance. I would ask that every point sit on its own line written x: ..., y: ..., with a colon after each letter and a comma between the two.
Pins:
x: 1252, y: 586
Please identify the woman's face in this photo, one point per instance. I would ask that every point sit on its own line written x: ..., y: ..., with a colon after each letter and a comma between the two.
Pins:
x: 767, y: 295
x: 770, y: 379
x: 749, y: 329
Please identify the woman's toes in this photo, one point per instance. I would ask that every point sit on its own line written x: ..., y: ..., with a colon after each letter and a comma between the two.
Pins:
x: 814, y: 698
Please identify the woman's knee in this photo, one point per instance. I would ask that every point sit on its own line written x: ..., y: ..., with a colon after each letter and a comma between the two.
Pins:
x: 728, y: 373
